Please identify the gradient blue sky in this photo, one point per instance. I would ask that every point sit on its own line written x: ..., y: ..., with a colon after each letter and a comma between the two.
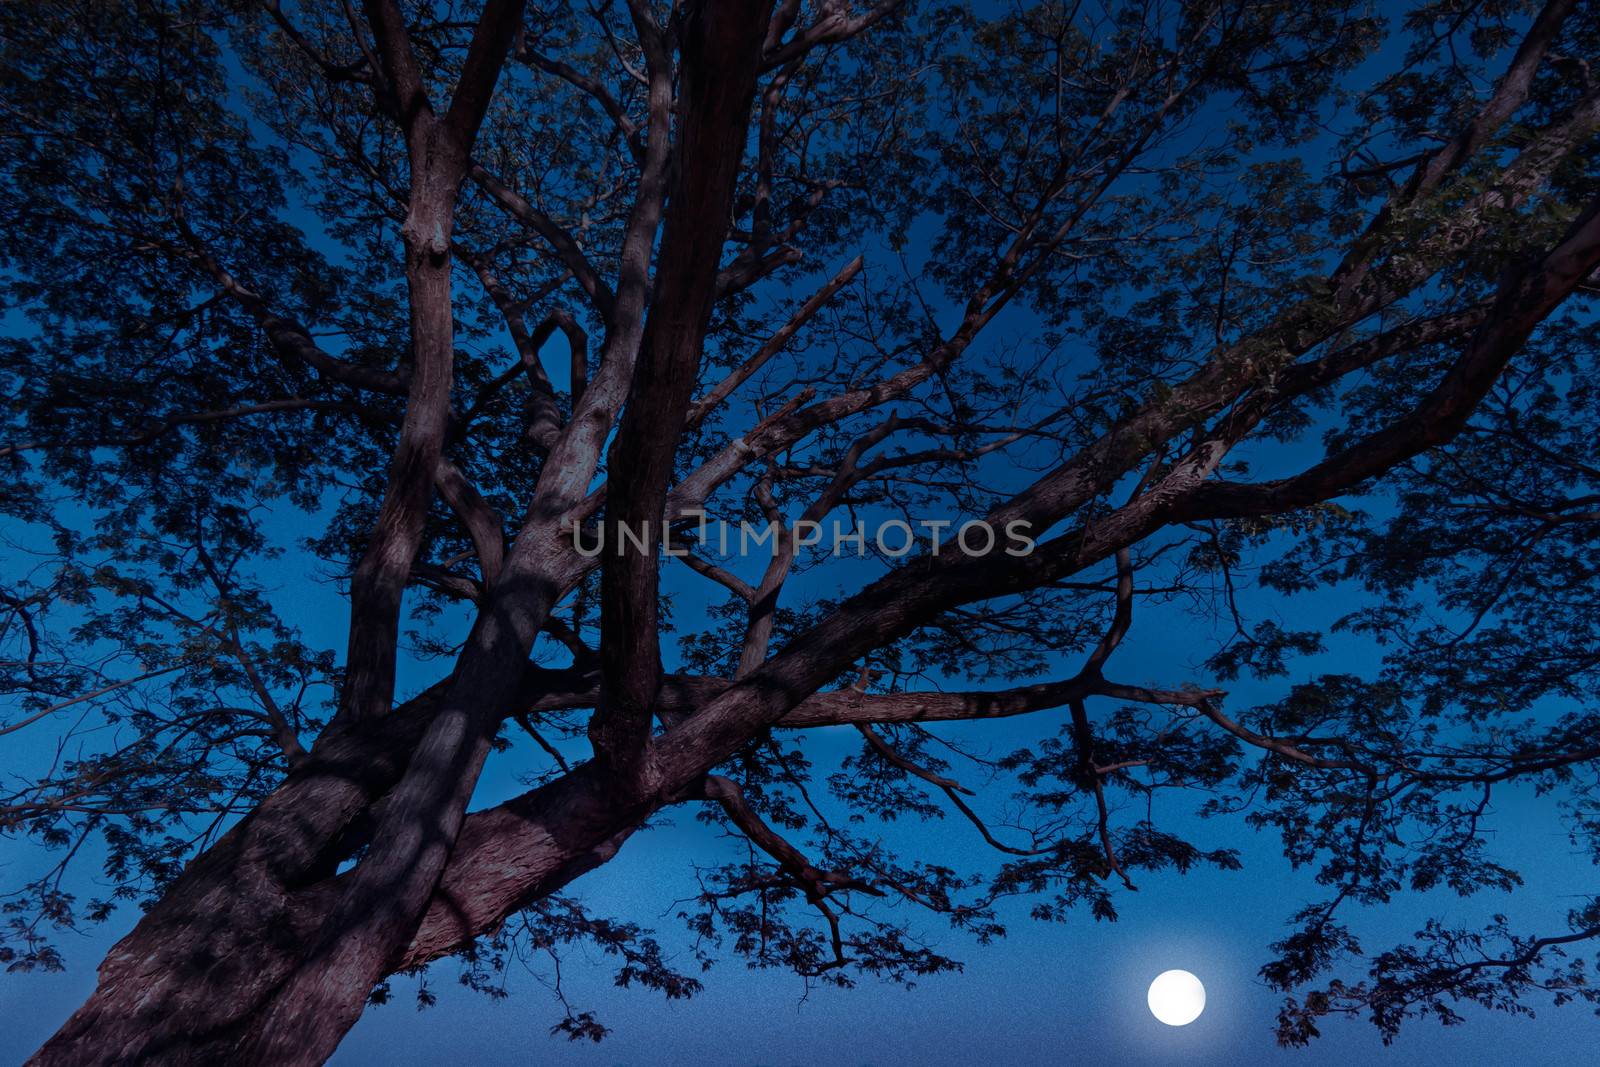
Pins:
x: 1046, y: 994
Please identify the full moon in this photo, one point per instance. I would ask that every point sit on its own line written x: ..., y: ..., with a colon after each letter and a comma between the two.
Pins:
x: 1176, y: 998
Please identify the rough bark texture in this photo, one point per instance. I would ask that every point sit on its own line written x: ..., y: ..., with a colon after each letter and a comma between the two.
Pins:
x: 720, y: 55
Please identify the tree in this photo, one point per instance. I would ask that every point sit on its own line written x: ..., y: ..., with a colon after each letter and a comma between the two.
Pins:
x: 1065, y: 269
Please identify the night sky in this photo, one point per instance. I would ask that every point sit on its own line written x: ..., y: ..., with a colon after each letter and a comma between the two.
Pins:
x: 1047, y: 993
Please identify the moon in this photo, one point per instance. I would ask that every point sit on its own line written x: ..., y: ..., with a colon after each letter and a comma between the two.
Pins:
x: 1176, y: 998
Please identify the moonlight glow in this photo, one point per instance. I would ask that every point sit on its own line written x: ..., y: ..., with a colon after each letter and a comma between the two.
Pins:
x: 1176, y: 998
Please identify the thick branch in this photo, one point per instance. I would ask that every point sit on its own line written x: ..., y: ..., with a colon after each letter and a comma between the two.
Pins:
x: 1524, y: 301
x: 720, y: 45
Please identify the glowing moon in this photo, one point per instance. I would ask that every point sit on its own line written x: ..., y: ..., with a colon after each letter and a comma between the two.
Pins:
x: 1176, y: 998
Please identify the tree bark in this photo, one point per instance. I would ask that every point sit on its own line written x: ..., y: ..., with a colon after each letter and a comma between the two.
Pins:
x: 721, y: 54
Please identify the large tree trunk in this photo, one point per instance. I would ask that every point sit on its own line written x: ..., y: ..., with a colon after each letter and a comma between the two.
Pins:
x: 188, y: 982
x: 213, y: 947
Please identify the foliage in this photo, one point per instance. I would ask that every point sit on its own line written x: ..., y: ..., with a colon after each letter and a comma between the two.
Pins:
x: 1114, y: 262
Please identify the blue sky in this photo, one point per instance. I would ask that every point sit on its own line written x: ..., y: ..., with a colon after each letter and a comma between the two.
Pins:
x: 1046, y: 994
